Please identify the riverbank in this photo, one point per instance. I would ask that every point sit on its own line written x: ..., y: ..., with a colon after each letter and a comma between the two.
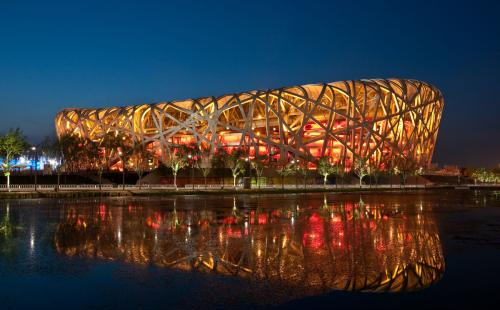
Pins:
x: 30, y: 194
x: 132, y: 245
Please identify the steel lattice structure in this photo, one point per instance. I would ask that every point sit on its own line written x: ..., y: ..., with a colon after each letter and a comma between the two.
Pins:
x: 380, y: 120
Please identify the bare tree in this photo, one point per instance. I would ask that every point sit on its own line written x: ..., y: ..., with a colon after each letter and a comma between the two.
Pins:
x: 258, y: 164
x: 139, y: 160
x: 205, y: 164
x: 95, y: 157
x: 218, y: 163
x: 125, y: 150
x: 375, y: 171
x: 52, y: 147
x: 73, y: 152
x: 284, y: 171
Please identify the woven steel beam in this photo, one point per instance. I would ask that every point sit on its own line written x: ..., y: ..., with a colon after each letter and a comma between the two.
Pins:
x: 382, y: 121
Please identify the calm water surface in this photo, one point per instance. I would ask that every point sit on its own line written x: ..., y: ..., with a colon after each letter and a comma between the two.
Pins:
x: 438, y: 249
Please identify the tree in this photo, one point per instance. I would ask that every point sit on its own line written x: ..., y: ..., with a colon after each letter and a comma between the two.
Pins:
x: 125, y: 151
x: 485, y: 176
x: 114, y: 146
x: 338, y: 171
x: 395, y: 171
x: 175, y: 161
x: 52, y: 147
x: 139, y: 160
x: 218, y: 162
x: 204, y: 164
x: 95, y: 157
x: 12, y: 146
x: 236, y: 164
x: 406, y: 167
x: 109, y: 145
x: 191, y: 155
x: 302, y: 170
x: 361, y: 169
x: 73, y: 152
x: 375, y: 171
x: 258, y: 164
x: 420, y: 171
x: 325, y: 168
x: 284, y: 171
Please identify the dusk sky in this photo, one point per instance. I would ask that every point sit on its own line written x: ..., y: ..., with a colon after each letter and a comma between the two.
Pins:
x: 59, y: 54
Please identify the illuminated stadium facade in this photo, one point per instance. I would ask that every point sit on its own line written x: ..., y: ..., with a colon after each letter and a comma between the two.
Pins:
x: 386, y: 122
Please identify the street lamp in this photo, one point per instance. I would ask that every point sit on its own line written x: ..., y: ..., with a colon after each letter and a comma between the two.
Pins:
x: 33, y: 148
x: 295, y: 167
x: 192, y: 169
x: 248, y: 166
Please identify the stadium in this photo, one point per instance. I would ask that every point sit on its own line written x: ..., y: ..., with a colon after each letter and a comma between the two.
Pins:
x: 386, y: 122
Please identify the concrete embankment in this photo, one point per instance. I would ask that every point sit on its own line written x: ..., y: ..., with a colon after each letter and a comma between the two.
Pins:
x: 170, y: 192
x: 61, y: 194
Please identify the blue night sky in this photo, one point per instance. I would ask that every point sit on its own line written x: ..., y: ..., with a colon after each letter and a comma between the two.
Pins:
x: 57, y: 54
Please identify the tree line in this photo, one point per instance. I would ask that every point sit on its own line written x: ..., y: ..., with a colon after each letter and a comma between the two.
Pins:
x: 75, y: 154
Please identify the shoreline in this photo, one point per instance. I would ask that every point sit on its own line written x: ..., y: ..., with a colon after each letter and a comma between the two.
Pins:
x: 231, y: 191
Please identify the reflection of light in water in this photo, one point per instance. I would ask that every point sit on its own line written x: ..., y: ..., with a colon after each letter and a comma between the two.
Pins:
x: 352, y: 245
x: 32, y: 240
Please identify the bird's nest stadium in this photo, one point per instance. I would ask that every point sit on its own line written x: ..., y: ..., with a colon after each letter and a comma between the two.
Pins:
x: 381, y: 121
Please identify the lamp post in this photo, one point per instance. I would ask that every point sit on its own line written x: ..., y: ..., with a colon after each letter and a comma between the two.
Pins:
x: 248, y: 167
x: 248, y: 171
x: 295, y: 167
x: 192, y: 170
x: 33, y: 148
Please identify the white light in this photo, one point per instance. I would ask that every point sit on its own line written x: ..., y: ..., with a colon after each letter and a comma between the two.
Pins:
x: 32, y: 240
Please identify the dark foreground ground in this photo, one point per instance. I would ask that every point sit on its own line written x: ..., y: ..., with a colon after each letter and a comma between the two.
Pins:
x: 107, y: 253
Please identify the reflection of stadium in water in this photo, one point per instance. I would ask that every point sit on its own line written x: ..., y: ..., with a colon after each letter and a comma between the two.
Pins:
x: 344, y: 245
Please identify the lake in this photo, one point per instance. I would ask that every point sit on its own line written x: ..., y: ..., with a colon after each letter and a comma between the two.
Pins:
x: 388, y: 250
